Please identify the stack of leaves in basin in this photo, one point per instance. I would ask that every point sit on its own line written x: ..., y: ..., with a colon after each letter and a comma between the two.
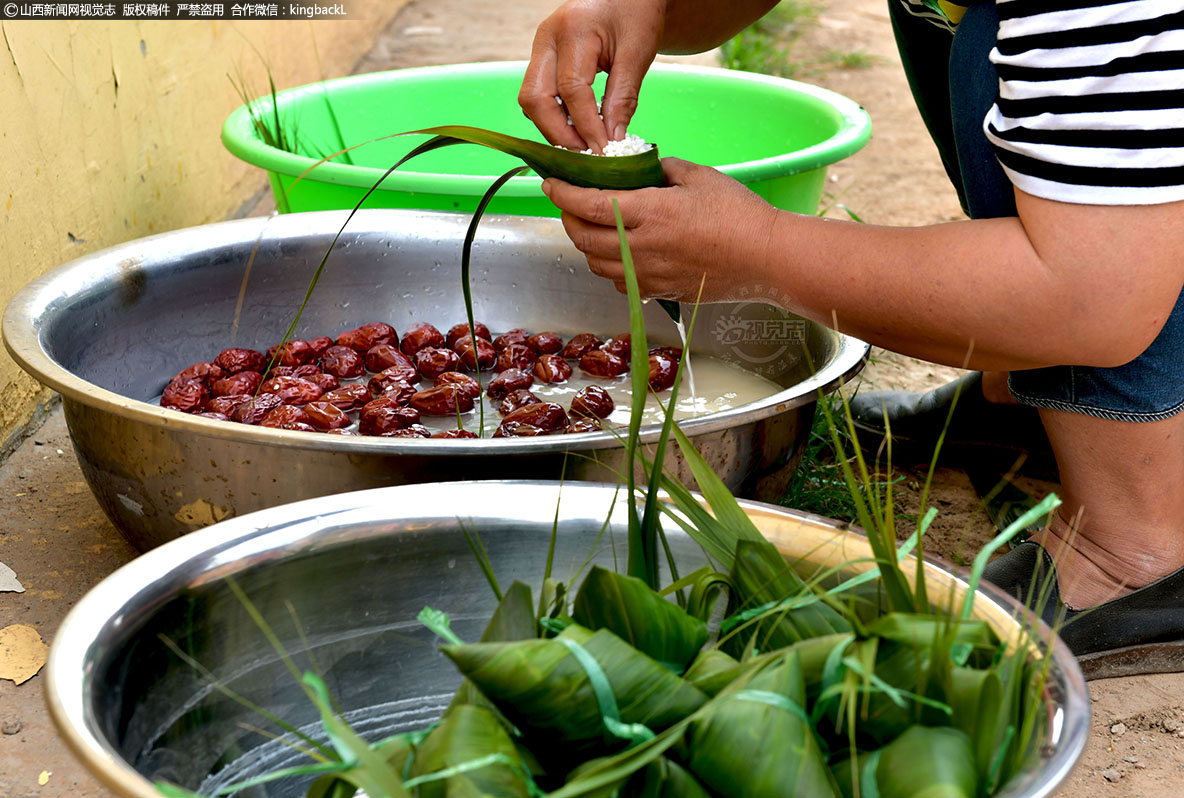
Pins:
x: 751, y: 676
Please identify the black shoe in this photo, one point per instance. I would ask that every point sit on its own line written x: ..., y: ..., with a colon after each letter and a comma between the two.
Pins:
x: 1141, y: 632
x: 979, y: 433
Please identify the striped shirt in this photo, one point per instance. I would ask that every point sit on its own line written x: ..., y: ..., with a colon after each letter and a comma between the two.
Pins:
x: 1090, y: 106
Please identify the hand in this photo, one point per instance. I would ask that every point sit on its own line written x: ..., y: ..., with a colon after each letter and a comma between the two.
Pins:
x: 704, y: 228
x: 580, y: 39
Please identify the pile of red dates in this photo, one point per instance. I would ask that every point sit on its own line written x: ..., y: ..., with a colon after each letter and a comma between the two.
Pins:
x: 369, y: 381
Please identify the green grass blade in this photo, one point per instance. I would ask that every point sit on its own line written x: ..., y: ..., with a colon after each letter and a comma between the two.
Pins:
x: 466, y: 257
x: 370, y: 772
x: 642, y: 560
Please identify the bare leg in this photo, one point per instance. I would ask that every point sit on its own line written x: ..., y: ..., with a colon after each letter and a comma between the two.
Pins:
x: 995, y: 388
x: 1124, y: 483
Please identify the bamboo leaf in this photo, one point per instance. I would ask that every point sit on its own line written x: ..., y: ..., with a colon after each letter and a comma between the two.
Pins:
x: 628, y: 608
x: 927, y: 762
x: 588, y: 171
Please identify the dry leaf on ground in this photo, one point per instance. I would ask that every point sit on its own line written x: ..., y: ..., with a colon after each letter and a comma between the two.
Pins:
x: 21, y: 653
x: 8, y: 581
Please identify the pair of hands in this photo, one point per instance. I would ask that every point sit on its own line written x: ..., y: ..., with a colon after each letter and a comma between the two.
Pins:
x: 698, y: 231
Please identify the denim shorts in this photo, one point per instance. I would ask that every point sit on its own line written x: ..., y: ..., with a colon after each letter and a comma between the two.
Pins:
x: 954, y: 85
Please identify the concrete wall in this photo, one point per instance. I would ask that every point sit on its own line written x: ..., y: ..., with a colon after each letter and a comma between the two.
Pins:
x: 109, y: 131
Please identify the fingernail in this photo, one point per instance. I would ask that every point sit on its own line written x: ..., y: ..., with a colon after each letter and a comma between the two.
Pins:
x: 547, y: 187
x: 619, y: 132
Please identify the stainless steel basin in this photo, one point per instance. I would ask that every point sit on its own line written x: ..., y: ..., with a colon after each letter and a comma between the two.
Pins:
x: 356, y: 569
x: 109, y: 330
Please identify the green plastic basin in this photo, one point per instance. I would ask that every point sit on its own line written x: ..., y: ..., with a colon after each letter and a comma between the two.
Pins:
x: 776, y: 136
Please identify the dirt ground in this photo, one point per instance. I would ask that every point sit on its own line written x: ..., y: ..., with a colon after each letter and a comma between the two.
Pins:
x: 57, y: 540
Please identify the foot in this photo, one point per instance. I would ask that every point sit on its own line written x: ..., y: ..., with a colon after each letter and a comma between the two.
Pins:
x: 1141, y: 631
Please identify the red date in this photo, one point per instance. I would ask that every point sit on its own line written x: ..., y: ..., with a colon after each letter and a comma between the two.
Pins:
x: 205, y: 373
x: 384, y: 356
x: 319, y: 345
x: 584, y: 425
x: 592, y: 401
x: 672, y: 352
x: 516, y: 356
x: 442, y: 400
x: 342, y: 361
x: 326, y: 382
x: 515, y: 400
x: 326, y: 415
x: 253, y: 410
x: 580, y: 345
x: 226, y: 405
x: 188, y: 396
x: 287, y: 417
x: 485, y: 355
x: 464, y: 383
x: 294, y: 353
x: 213, y: 415
x: 419, y: 335
x: 385, y: 420
x: 509, y: 380
x: 242, y: 382
x: 292, y: 390
x: 398, y: 391
x: 458, y: 331
x: 348, y: 397
x: 395, y: 374
x: 518, y: 429
x: 514, y: 336
x: 234, y: 360
x: 551, y: 369
x: 414, y: 431
x: 545, y: 343
x: 600, y: 363
x: 433, y: 362
x: 621, y: 346
x: 368, y: 336
x: 544, y: 415
x: 662, y: 372
x: 454, y: 433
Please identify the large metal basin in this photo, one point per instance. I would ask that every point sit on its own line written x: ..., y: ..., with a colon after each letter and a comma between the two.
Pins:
x: 109, y: 330
x: 356, y: 569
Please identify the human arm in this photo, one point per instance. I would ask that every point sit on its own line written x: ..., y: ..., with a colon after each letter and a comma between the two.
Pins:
x: 584, y: 37
x: 1061, y: 284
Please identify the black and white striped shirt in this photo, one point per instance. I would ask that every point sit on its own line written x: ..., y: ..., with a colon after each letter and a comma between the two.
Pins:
x: 1090, y: 106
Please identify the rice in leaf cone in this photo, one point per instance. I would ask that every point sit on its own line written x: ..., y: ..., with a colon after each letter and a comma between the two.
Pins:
x: 761, y: 576
x: 565, y: 691
x: 757, y: 740
x: 927, y: 762
x: 627, y: 607
x: 471, y: 756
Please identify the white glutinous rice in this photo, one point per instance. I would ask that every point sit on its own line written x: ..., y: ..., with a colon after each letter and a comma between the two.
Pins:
x: 630, y: 145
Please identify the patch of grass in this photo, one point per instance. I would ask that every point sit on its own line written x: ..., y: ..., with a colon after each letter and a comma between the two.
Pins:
x: 818, y: 486
x: 853, y: 59
x: 765, y: 45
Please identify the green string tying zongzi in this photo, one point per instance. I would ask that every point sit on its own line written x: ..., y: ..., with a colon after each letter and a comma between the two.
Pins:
x: 634, y: 733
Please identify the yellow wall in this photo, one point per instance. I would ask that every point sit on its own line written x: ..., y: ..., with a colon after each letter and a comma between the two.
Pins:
x: 110, y: 131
